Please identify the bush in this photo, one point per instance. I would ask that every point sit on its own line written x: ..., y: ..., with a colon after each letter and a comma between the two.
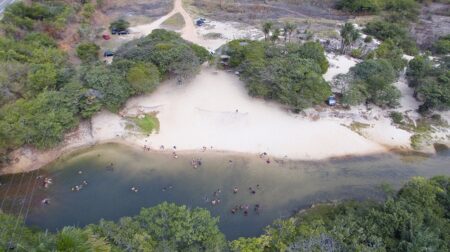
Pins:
x: 431, y: 82
x: 41, y: 121
x: 442, y: 45
x: 88, y: 51
x: 143, y: 78
x: 360, y: 6
x: 398, y: 33
x: 290, y: 74
x: 107, y: 85
x: 356, y: 53
x: 119, y: 25
x: 368, y: 39
x: 168, y: 51
x: 372, y: 82
x: 148, y: 124
x: 396, y: 117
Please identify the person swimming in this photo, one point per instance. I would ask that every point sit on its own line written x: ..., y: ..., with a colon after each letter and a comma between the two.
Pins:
x: 235, y: 190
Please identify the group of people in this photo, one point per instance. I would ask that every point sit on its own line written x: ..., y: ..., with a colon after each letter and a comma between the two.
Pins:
x: 47, y: 181
x: 245, y: 209
x: 80, y: 186
x: 196, y: 162
x: 264, y: 155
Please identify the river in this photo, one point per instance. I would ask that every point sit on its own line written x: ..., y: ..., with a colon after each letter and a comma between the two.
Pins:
x: 280, y: 188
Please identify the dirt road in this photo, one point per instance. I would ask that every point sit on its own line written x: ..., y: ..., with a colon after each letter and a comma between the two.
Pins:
x: 188, y: 32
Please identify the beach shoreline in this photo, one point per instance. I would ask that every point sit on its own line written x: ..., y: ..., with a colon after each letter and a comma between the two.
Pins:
x: 197, y: 115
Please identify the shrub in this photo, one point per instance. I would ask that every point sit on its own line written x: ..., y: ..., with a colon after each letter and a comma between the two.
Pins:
x: 168, y: 51
x: 119, y: 25
x: 368, y: 39
x: 396, y: 117
x: 356, y: 53
x: 290, y: 74
x: 143, y: 78
x: 372, y: 82
x: 88, y: 51
x: 442, y: 45
x: 360, y: 6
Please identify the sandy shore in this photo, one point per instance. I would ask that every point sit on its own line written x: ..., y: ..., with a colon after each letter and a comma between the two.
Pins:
x: 203, y: 113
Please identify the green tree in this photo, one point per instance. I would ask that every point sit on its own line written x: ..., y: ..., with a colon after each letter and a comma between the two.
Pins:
x: 41, y: 121
x: 173, y: 56
x: 119, y: 25
x: 275, y: 35
x: 108, y: 86
x: 372, y: 82
x: 267, y: 28
x: 41, y: 77
x: 360, y: 6
x: 143, y: 78
x: 442, y: 45
x: 349, y: 35
x: 88, y: 51
x: 288, y: 29
x: 390, y: 51
x: 74, y: 239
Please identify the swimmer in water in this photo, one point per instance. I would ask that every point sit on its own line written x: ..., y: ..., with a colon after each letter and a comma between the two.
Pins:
x: 235, y: 190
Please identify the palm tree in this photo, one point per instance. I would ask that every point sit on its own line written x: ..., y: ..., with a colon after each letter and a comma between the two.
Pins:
x: 275, y: 35
x: 349, y: 35
x: 267, y: 27
x: 289, y: 28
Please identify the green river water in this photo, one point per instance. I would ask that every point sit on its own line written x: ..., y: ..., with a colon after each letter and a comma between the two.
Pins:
x: 284, y: 186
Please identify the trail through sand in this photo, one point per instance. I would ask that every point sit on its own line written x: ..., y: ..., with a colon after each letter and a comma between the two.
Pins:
x: 188, y: 32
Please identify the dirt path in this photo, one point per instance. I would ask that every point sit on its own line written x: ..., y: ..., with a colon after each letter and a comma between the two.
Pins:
x: 188, y: 32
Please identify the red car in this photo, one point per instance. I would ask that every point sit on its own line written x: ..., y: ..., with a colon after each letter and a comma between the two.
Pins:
x: 106, y: 37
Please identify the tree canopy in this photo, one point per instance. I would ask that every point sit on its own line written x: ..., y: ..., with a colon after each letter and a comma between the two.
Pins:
x: 290, y: 74
x: 431, y: 82
x: 168, y: 51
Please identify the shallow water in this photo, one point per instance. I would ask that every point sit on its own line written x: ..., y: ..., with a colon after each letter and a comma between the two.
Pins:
x: 284, y: 186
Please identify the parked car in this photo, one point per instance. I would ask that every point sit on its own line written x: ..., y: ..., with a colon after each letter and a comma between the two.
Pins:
x: 108, y: 54
x: 331, y: 101
x: 106, y: 37
x: 124, y: 32
x: 200, y: 21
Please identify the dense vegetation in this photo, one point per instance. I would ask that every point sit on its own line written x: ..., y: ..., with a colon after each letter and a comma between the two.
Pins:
x: 442, y: 45
x: 431, y: 81
x: 371, y: 81
x: 290, y: 73
x: 168, y: 51
x: 393, y: 21
x: 417, y: 218
x: 43, y: 93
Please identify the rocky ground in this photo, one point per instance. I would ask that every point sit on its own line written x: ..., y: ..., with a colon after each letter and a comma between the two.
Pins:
x: 434, y: 21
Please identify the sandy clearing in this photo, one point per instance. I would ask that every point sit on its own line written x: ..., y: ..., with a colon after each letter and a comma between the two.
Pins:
x: 199, y: 114
x: 338, y: 64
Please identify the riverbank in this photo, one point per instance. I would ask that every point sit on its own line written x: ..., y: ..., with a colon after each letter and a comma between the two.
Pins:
x: 198, y: 114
